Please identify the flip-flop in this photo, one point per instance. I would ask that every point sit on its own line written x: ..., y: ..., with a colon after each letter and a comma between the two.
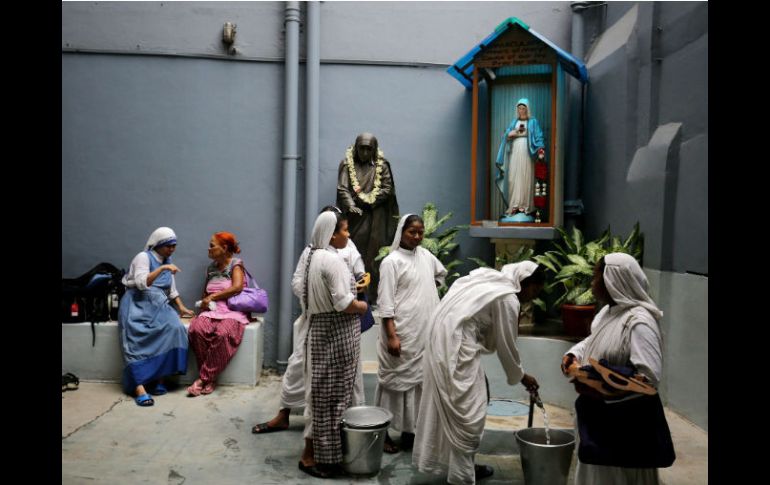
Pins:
x: 208, y: 388
x: 263, y: 428
x: 69, y: 382
x: 483, y: 471
x: 316, y: 471
x: 144, y: 400
x: 159, y: 390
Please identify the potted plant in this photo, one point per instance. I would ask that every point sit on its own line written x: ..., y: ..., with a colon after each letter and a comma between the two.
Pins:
x: 572, y: 263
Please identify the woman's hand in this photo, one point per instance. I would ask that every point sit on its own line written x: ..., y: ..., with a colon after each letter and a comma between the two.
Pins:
x: 185, y: 312
x: 530, y: 383
x: 568, y: 361
x: 394, y: 345
x: 171, y: 267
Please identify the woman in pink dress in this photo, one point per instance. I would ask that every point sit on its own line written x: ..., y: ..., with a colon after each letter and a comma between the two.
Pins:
x: 216, y: 334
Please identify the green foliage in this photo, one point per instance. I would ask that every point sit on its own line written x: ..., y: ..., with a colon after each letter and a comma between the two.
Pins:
x: 573, y: 260
x: 440, y: 244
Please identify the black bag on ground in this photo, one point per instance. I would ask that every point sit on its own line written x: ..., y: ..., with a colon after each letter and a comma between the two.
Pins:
x: 93, y: 296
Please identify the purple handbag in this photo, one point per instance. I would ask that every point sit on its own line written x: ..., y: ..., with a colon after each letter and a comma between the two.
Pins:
x: 249, y: 300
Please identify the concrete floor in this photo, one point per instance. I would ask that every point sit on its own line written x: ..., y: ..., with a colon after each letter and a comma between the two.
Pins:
x: 106, y: 438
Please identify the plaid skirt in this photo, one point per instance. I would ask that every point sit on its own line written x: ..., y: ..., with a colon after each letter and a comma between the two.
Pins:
x: 334, y: 344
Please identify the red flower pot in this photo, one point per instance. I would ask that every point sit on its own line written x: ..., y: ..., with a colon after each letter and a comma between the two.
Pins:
x: 577, y: 319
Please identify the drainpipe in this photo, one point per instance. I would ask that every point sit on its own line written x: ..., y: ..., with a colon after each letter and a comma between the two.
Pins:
x: 313, y: 70
x: 573, y: 205
x: 289, y: 160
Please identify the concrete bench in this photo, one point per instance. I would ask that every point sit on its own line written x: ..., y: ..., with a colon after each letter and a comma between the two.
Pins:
x: 104, y: 361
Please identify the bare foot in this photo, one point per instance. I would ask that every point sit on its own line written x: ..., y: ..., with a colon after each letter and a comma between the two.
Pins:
x: 196, y: 388
x: 308, y: 456
x: 390, y: 446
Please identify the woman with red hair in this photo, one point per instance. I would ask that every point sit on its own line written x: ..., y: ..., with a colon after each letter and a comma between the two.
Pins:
x: 217, y: 331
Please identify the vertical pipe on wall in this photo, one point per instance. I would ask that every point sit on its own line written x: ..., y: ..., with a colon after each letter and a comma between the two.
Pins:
x: 289, y: 161
x: 573, y: 159
x: 313, y: 68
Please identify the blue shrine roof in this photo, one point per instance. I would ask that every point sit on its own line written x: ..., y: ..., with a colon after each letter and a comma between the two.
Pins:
x: 463, y: 68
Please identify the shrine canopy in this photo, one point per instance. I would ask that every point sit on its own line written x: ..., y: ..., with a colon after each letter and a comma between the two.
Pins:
x: 463, y: 68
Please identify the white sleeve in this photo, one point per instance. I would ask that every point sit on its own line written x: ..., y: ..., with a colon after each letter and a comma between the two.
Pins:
x: 173, y: 293
x: 138, y: 272
x: 337, y: 278
x: 386, y: 290
x: 505, y: 316
x: 357, y: 263
x: 439, y: 272
x: 578, y: 350
x: 298, y: 279
x: 646, y: 354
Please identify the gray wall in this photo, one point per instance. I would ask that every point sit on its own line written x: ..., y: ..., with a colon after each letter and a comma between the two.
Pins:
x: 161, y: 127
x: 649, y: 71
x: 646, y: 160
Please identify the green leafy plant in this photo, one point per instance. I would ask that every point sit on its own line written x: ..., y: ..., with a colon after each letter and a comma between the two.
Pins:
x: 440, y: 244
x: 573, y: 260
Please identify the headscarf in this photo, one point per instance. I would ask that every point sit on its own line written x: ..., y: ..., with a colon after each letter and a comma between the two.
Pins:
x: 399, y: 229
x: 525, y: 102
x: 518, y: 272
x: 627, y: 283
x: 323, y: 229
x: 162, y: 236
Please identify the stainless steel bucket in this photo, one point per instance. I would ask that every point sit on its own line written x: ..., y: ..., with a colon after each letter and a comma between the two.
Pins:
x: 363, y: 438
x: 545, y: 464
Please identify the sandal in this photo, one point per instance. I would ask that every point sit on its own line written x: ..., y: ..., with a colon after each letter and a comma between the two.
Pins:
x: 319, y: 470
x: 483, y: 471
x: 263, y: 428
x: 159, y: 390
x: 69, y: 382
x: 208, y: 388
x: 144, y: 400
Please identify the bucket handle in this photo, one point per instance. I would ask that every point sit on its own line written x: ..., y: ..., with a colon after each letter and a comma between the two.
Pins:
x: 376, y: 438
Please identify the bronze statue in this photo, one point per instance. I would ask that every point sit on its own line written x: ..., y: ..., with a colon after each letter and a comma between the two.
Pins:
x: 366, y: 193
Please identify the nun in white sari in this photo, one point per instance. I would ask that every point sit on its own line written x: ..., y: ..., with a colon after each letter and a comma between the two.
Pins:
x: 407, y: 296
x: 332, y: 344
x: 479, y: 315
x: 624, y: 331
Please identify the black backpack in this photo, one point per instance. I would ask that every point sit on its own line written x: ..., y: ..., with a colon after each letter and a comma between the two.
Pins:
x: 92, y: 297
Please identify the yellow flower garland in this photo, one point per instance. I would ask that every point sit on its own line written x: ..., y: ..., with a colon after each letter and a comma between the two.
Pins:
x: 370, y: 197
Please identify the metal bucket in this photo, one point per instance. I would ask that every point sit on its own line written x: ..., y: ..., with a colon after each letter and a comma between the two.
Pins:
x: 545, y: 464
x: 363, y: 438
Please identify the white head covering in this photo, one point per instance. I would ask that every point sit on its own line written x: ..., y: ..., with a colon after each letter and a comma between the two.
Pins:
x: 323, y: 229
x: 397, y: 237
x: 627, y: 284
x: 517, y: 272
x: 160, y: 236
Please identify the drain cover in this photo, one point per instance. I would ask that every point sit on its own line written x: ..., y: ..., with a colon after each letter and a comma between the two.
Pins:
x: 507, y: 407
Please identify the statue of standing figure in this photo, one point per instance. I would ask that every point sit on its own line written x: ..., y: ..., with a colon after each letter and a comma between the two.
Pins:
x: 521, y: 144
x: 366, y: 194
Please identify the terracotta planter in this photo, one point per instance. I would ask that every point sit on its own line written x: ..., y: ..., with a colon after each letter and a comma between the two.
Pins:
x: 577, y: 319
